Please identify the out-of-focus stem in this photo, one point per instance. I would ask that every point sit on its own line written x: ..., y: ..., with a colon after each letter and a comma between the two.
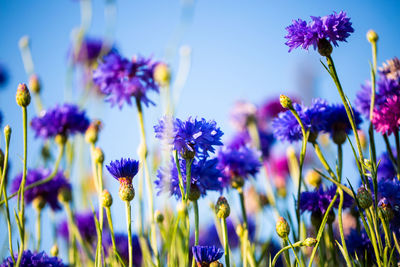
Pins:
x: 110, y: 225
x: 128, y: 225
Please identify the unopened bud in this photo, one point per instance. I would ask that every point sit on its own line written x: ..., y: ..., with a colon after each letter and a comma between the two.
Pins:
x: 222, y: 208
x: 158, y: 216
x: 364, y: 198
x: 385, y: 209
x: 194, y: 193
x: 7, y: 131
x: 286, y: 102
x: 92, y: 132
x: 282, y: 228
x: 162, y: 74
x: 313, y: 178
x: 106, y: 199
x: 60, y: 139
x: 65, y: 195
x: 309, y: 242
x: 54, y: 250
x: 372, y: 36
x: 23, y: 97
x: 126, y: 191
x: 34, y: 84
x: 324, y: 47
x: 38, y: 203
x: 98, y: 155
x: 237, y: 182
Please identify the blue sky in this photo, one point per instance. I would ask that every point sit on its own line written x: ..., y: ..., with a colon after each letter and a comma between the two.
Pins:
x: 238, y: 52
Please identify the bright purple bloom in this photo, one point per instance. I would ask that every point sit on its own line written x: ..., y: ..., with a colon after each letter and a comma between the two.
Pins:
x: 60, y: 120
x: 358, y: 243
x: 190, y: 136
x: 34, y: 259
x: 124, y: 168
x: 121, y: 79
x: 88, y: 51
x: 48, y: 191
x: 386, y: 119
x: 388, y: 193
x: 204, y: 175
x: 386, y: 169
x: 121, y: 242
x: 205, y: 255
x: 243, y: 139
x: 334, y: 27
x: 269, y: 110
x: 318, y: 200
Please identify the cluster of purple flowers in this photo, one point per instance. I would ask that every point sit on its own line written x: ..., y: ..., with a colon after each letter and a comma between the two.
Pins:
x: 334, y: 28
x: 119, y: 79
x: 63, y: 120
x: 34, y: 259
x: 205, y: 255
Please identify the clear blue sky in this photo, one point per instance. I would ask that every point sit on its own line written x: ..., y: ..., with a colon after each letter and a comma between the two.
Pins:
x: 238, y: 53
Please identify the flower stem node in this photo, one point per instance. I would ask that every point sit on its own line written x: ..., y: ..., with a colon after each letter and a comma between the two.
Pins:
x: 324, y: 47
x: 372, y: 36
x: 194, y: 193
x: 106, y: 199
x: 237, y: 182
x: 158, y: 216
x: 65, y: 195
x: 309, y: 242
x: 38, y: 203
x: 162, y: 74
x: 23, y: 97
x: 126, y: 191
x: 92, y: 132
x: 282, y: 228
x: 364, y: 197
x: 98, y: 155
x: 34, y: 84
x: 222, y: 208
x: 313, y: 178
x: 54, y: 250
x: 286, y: 102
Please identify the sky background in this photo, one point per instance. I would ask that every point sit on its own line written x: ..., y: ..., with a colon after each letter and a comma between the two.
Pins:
x: 238, y: 52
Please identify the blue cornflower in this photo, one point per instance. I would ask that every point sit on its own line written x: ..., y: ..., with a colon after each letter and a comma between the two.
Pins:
x: 238, y: 163
x: 204, y: 176
x: 386, y: 169
x: 48, y: 191
x: 317, y: 201
x: 205, y: 255
x: 121, y: 243
x: 34, y: 259
x: 123, y: 169
x: 358, y: 243
x: 333, y: 28
x: 388, y: 193
x: 88, y: 51
x: 119, y: 79
x: 191, y: 137
x: 243, y: 138
x: 63, y: 120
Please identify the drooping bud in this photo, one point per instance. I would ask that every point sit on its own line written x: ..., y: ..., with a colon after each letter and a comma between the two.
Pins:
x: 222, y: 208
x: 54, y: 250
x: 34, y: 84
x: 158, y: 216
x: 313, y: 178
x: 38, y: 203
x: 23, y: 97
x: 106, y: 199
x: 98, y: 155
x: 126, y: 191
x: 372, y: 36
x: 162, y: 74
x: 65, y: 195
x: 92, y: 132
x: 364, y: 197
x: 282, y: 228
x: 286, y: 102
x: 309, y: 242
x: 194, y: 193
x: 324, y: 47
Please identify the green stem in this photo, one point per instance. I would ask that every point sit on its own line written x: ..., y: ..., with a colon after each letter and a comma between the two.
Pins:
x: 295, y: 245
x: 245, y: 229
x: 323, y: 160
x: 294, y: 251
x: 330, y: 241
x: 110, y: 225
x: 38, y: 229
x: 287, y: 257
x: 389, y: 151
x: 188, y: 177
x: 196, y: 227
x: 226, y: 241
x: 128, y: 225
x: 101, y: 211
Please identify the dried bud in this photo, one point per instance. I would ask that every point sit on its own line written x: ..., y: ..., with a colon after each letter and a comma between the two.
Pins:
x: 237, y: 182
x: 54, y: 250
x: 194, y: 193
x: 222, y: 208
x: 309, y: 242
x: 38, y: 203
x: 324, y: 47
x: 34, y: 84
x: 92, y: 132
x: 313, y: 178
x: 286, y: 102
x: 372, y: 36
x: 158, y: 216
x: 162, y: 74
x: 65, y: 195
x: 282, y: 228
x: 126, y: 191
x: 106, y: 199
x: 364, y: 198
x: 23, y: 97
x: 98, y: 155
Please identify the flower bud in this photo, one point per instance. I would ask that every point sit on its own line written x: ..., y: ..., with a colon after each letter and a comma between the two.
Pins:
x: 286, y: 102
x: 45, y: 152
x: 92, y: 132
x: 162, y: 74
x: 216, y: 264
x: 106, y: 199
x: 24, y: 41
x: 60, y: 139
x: 282, y: 228
x: 313, y: 178
x: 158, y: 216
x: 237, y: 182
x: 23, y: 97
x: 54, y: 250
x: 339, y: 137
x: 372, y: 36
x: 316, y: 219
x: 65, y: 195
x: 364, y: 198
x: 38, y: 203
x: 188, y: 154
x: 309, y: 242
x: 222, y: 208
x: 385, y: 209
x: 368, y: 164
x: 126, y: 191
x: 194, y: 193
x: 324, y: 47
x: 7, y: 131
x: 34, y: 84
x: 98, y: 155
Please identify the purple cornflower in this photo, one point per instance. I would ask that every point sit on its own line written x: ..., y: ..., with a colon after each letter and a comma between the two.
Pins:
x: 388, y: 193
x: 204, y: 175
x: 88, y: 51
x: 241, y: 114
x: 205, y: 255
x: 386, y: 119
x: 191, y: 137
x: 121, y: 242
x: 3, y: 75
x: 239, y: 162
x: 124, y: 170
x: 63, y: 120
x: 269, y: 110
x: 243, y: 139
x: 119, y: 79
x: 391, y: 69
x: 358, y: 243
x: 48, y: 191
x: 386, y: 169
x: 317, y: 201
x: 34, y: 259
x: 334, y: 27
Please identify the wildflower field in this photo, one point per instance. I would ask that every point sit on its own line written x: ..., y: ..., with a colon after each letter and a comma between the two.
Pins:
x: 113, y: 158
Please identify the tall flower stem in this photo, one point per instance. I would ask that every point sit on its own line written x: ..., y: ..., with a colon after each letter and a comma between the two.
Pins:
x: 226, y: 241
x: 38, y: 229
x: 196, y: 227
x: 143, y: 156
x: 110, y: 225
x: 188, y: 185
x: 101, y: 211
x: 286, y: 252
x: 128, y: 225
x: 245, y: 228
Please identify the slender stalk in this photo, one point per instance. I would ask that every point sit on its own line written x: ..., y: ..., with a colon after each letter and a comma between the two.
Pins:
x: 196, y: 227
x: 128, y: 225
x: 188, y: 185
x: 295, y: 245
x: 226, y: 241
x: 323, y: 160
x: 101, y: 211
x: 294, y: 251
x: 38, y: 229
x: 286, y: 252
x: 330, y: 241
x: 110, y: 225
x: 389, y: 151
x: 245, y: 235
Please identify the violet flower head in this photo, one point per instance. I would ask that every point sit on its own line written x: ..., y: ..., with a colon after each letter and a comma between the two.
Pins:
x: 204, y: 175
x: 190, y: 137
x: 386, y: 169
x: 64, y: 120
x: 34, y: 259
x: 386, y: 119
x: 241, y: 114
x: 123, y: 169
x: 333, y: 28
x: 358, y: 243
x: 121, y: 243
x: 86, y: 225
x: 269, y: 110
x: 88, y: 51
x: 205, y: 255
x: 243, y: 139
x: 48, y: 191
x: 391, y: 69
x: 120, y: 79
